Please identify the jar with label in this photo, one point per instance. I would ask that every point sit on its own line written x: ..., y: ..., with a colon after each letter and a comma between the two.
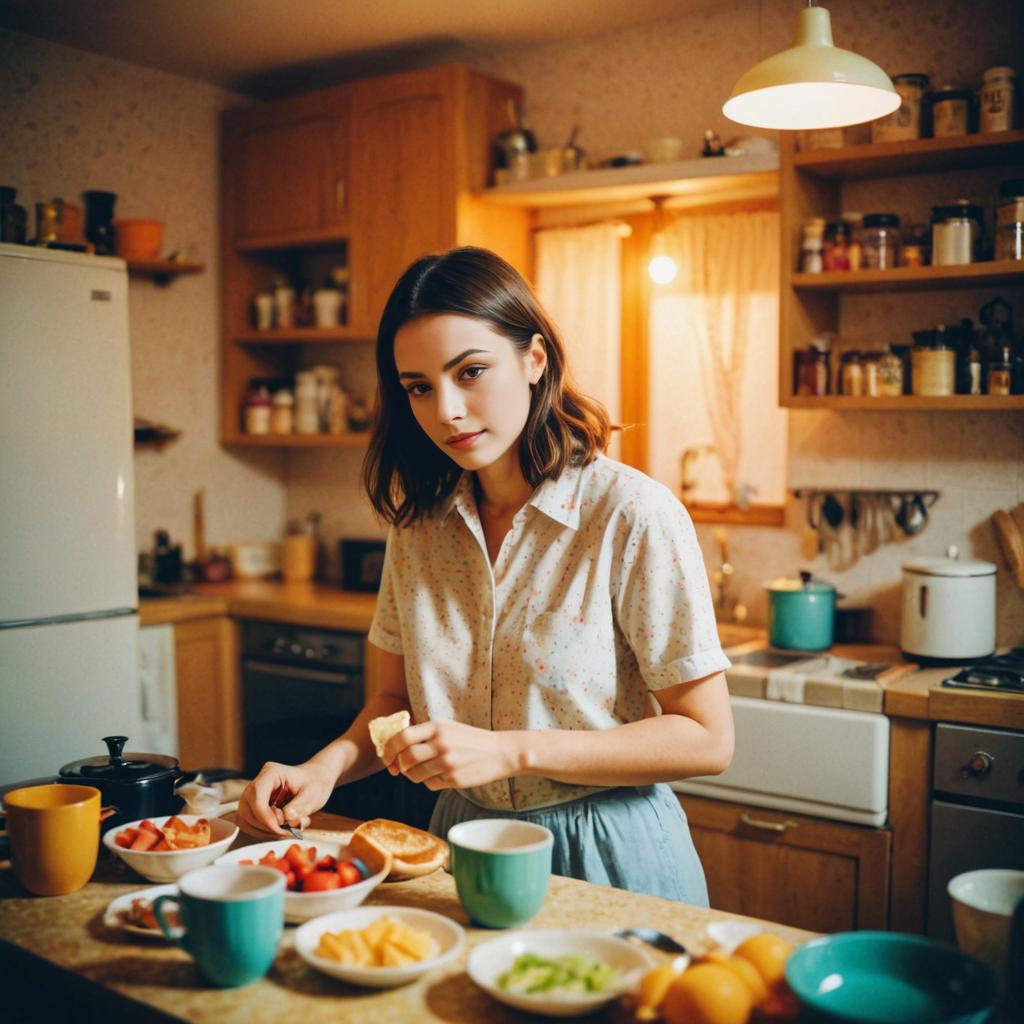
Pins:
x: 916, y: 249
x: 257, y: 410
x: 812, y: 242
x: 881, y: 241
x: 1000, y: 371
x: 871, y: 361
x: 835, y: 253
x: 956, y: 233
x: 851, y: 374
x: 46, y: 224
x: 307, y: 408
x: 282, y: 416
x: 890, y: 374
x: 906, y: 122
x: 1010, y: 220
x: 934, y: 369
x: 996, y: 112
x: 854, y: 247
x: 951, y: 111
x: 973, y: 371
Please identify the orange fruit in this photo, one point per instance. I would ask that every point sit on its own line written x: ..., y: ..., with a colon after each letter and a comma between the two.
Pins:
x: 708, y: 993
x: 780, y: 1007
x: 651, y: 991
x: 744, y: 969
x: 768, y: 954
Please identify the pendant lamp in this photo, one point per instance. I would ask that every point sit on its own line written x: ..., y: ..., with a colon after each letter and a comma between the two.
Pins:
x: 813, y: 84
x: 661, y: 266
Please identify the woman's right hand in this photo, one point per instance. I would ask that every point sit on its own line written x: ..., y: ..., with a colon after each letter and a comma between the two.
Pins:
x: 284, y: 792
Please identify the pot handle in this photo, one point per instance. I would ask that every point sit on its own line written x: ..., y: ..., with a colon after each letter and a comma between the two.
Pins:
x: 108, y: 812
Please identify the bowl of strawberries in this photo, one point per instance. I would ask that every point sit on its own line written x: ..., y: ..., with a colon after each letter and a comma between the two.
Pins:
x: 322, y: 876
x: 164, y: 849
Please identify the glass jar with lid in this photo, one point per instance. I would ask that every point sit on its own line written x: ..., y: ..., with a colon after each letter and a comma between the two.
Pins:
x: 905, y: 122
x: 1000, y: 371
x: 1010, y: 220
x: 996, y: 107
x: 257, y: 409
x: 917, y: 247
x: 835, y: 252
x: 851, y: 374
x: 951, y: 111
x: 890, y: 373
x: 934, y: 363
x: 812, y: 241
x: 880, y: 238
x: 957, y: 231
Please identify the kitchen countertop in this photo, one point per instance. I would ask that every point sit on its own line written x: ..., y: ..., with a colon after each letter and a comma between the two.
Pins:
x: 914, y: 694
x: 62, y: 944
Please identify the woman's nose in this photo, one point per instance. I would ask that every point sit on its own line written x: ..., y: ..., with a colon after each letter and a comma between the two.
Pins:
x: 450, y: 406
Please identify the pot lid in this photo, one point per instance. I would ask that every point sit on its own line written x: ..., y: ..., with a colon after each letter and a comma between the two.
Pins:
x: 949, y: 566
x: 805, y: 584
x: 117, y: 767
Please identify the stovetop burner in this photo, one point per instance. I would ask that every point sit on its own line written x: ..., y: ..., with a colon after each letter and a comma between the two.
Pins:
x: 1002, y: 672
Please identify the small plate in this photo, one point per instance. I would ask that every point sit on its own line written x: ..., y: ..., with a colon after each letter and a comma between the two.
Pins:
x: 112, y: 915
x: 490, y: 960
x: 448, y: 934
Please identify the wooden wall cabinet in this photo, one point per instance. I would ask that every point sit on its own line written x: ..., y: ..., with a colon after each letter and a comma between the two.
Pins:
x: 370, y: 175
x: 209, y: 693
x: 806, y: 872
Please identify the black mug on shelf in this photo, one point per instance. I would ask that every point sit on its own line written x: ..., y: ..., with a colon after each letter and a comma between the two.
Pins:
x: 99, y: 221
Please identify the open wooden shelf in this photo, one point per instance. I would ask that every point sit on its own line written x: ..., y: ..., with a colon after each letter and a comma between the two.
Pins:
x: 301, y: 335
x: 906, y: 403
x: 163, y: 270
x: 754, y: 176
x: 312, y: 239
x: 915, y: 156
x: 902, y: 279
x: 350, y: 440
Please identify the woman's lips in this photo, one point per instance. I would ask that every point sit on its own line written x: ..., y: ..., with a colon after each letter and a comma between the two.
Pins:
x: 463, y: 440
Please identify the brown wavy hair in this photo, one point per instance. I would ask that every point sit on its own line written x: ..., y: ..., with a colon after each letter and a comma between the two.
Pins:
x: 405, y: 474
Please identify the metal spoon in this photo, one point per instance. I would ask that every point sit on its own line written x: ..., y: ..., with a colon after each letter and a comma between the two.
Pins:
x: 653, y: 938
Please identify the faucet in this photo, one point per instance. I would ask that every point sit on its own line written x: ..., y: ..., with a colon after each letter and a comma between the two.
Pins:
x: 726, y: 610
x: 690, y: 455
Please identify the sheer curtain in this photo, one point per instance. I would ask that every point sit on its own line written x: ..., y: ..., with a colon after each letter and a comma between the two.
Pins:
x: 714, y: 361
x: 578, y: 282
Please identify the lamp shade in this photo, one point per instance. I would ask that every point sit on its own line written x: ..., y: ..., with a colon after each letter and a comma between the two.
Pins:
x: 813, y: 84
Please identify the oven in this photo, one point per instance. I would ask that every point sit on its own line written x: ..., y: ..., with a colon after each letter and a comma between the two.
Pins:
x: 977, y: 811
x: 302, y: 688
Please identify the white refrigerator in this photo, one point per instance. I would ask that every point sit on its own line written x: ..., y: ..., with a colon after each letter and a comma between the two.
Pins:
x: 68, y: 588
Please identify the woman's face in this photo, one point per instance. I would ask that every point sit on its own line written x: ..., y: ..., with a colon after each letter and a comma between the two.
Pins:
x: 468, y: 386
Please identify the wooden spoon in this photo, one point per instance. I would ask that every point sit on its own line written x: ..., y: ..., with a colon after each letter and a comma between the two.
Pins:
x: 1011, y: 543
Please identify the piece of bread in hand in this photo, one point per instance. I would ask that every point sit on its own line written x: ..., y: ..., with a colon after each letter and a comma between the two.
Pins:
x: 383, y: 728
x: 413, y: 851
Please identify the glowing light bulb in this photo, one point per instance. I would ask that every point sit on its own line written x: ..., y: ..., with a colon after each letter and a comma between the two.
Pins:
x: 662, y: 269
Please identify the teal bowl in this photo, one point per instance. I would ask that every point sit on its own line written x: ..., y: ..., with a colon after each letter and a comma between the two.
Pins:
x: 890, y: 978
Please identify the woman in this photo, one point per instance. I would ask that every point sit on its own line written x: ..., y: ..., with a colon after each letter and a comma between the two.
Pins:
x: 544, y: 612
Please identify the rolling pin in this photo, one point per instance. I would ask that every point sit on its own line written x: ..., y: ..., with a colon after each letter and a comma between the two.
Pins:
x: 1011, y: 543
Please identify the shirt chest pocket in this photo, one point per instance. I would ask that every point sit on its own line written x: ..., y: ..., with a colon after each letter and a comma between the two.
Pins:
x: 563, y: 648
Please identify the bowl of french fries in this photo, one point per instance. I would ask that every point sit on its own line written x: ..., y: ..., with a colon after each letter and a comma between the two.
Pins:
x: 164, y: 849
x: 379, y: 946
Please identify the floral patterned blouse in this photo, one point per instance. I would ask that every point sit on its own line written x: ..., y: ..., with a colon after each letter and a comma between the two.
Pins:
x: 599, y: 595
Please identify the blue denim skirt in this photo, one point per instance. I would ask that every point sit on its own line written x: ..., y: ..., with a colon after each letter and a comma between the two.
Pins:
x: 632, y: 837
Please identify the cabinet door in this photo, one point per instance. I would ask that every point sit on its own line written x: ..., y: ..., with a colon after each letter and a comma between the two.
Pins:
x: 288, y: 168
x: 403, y: 182
x: 806, y: 872
x: 209, y: 694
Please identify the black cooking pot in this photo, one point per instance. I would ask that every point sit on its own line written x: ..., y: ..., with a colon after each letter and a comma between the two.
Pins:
x: 135, y: 785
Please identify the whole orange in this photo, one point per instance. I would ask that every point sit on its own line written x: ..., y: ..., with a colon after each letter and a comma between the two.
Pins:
x: 707, y: 993
x: 768, y: 953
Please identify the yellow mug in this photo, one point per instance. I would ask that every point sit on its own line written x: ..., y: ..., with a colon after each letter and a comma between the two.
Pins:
x: 54, y: 835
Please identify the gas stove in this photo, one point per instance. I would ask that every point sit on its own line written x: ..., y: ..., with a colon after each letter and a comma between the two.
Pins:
x: 1002, y: 672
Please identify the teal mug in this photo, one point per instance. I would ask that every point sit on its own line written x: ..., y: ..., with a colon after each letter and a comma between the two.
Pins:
x: 501, y: 868
x: 232, y: 917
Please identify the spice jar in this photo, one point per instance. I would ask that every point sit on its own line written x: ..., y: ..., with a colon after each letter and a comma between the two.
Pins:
x: 890, y: 373
x: 934, y: 368
x: 916, y: 249
x: 307, y: 409
x: 46, y: 224
x: 851, y: 374
x: 282, y: 416
x: 996, y: 112
x: 1010, y: 220
x: 257, y: 410
x: 973, y: 371
x: 812, y: 241
x: 854, y: 249
x: 1000, y: 371
x: 881, y: 241
x: 956, y: 233
x: 906, y: 122
x: 951, y: 110
x: 871, y: 361
x: 835, y: 253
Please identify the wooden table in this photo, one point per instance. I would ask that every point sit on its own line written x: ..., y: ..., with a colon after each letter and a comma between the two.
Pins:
x: 59, y: 961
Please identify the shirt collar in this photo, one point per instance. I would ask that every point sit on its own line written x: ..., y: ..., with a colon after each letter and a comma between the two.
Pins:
x: 558, y: 499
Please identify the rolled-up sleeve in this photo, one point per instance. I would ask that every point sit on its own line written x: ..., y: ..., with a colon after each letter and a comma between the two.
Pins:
x: 663, y: 600
x: 386, y: 628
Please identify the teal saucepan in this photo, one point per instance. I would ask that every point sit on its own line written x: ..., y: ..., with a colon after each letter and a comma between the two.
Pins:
x: 890, y: 978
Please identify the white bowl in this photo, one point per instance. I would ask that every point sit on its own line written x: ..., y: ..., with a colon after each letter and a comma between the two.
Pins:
x: 490, y: 960
x: 303, y: 906
x: 112, y: 915
x: 168, y: 865
x: 727, y: 935
x: 448, y: 934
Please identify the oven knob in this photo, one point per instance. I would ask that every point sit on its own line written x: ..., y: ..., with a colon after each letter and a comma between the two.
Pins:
x: 296, y: 649
x: 309, y: 652
x: 978, y: 766
x: 280, y: 645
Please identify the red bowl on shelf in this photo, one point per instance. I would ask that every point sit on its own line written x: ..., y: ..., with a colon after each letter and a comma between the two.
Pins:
x: 138, y: 239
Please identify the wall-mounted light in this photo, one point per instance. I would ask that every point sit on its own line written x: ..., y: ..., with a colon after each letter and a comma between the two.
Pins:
x: 813, y: 84
x: 662, y: 267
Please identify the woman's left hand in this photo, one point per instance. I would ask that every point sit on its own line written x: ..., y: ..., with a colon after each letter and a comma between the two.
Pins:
x: 450, y: 755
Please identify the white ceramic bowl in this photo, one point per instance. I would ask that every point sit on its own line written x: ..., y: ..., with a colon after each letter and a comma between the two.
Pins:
x: 490, y: 960
x: 169, y: 865
x: 448, y: 934
x: 303, y: 906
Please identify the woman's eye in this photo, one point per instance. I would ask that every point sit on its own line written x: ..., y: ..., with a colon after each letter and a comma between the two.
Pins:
x: 415, y: 390
x: 473, y: 372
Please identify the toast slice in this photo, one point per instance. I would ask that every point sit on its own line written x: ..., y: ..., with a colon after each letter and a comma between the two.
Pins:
x: 413, y: 852
x: 383, y: 728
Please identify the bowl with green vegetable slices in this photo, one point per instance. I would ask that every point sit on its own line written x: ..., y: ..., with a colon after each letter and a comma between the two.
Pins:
x: 557, y: 972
